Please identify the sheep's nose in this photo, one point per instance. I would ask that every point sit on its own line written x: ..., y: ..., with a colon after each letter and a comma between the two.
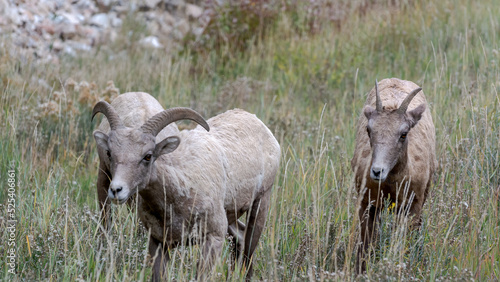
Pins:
x: 376, y: 171
x: 116, y: 187
x: 116, y: 190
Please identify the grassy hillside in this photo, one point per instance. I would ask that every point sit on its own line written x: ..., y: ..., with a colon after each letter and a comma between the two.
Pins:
x: 306, y: 77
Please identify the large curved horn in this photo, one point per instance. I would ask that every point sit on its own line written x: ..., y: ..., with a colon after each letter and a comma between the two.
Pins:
x: 155, y: 124
x: 406, y: 102
x: 377, y: 97
x: 110, y: 113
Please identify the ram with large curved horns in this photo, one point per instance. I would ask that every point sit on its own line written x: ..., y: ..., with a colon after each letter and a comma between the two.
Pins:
x: 187, y: 179
x: 394, y: 157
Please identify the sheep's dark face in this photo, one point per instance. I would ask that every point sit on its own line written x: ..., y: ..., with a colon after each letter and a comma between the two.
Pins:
x: 130, y: 155
x: 389, y: 134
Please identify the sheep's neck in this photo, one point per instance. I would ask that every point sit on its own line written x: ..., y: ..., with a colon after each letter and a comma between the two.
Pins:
x: 152, y: 200
x: 401, y: 167
x: 158, y: 192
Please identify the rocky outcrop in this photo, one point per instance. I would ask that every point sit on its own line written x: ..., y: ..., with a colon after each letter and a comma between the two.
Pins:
x: 46, y: 29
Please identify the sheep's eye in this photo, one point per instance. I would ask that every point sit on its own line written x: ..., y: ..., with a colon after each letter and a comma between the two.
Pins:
x: 108, y: 153
x: 147, y: 157
x: 403, y: 136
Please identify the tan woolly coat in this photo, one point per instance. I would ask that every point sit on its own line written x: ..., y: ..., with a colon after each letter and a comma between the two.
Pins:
x: 420, y: 160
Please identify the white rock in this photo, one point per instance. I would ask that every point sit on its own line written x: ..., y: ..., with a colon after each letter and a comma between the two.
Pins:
x: 4, y: 5
x: 166, y: 29
x: 104, y: 5
x: 57, y: 46
x: 46, y: 6
x: 104, y: 2
x: 46, y: 27
x: 153, y: 27
x: 193, y: 11
x: 150, y: 15
x: 182, y: 26
x: 68, y: 31
x: 115, y: 21
x: 198, y: 31
x: 70, y: 18
x: 124, y: 10
x: 100, y: 20
x: 161, y: 17
x: 26, y: 15
x: 37, y: 19
x: 151, y: 4
x: 13, y: 16
x: 151, y: 42
x: 69, y: 50
x: 79, y: 46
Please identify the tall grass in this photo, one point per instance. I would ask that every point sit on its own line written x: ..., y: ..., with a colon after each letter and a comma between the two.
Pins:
x: 308, y: 86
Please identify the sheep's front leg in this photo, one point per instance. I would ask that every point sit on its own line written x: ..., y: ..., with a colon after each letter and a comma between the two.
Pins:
x: 212, y: 249
x: 414, y: 214
x: 161, y: 257
x: 368, y: 220
x: 215, y: 230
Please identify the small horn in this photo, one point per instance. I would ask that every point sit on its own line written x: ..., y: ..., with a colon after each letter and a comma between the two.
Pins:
x: 406, y: 102
x: 109, y: 112
x: 377, y: 96
x: 155, y: 124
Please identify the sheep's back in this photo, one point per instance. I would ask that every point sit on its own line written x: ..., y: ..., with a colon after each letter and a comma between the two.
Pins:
x: 252, y: 153
x: 134, y: 109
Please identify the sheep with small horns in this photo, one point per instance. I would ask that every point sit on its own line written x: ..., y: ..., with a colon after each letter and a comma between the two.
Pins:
x: 394, y: 157
x: 195, y: 182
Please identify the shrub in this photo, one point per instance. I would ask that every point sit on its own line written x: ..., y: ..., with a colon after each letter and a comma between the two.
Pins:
x: 234, y: 24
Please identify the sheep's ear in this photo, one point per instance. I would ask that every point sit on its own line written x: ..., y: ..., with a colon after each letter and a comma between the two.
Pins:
x: 416, y: 114
x: 166, y: 146
x: 101, y: 139
x: 369, y: 111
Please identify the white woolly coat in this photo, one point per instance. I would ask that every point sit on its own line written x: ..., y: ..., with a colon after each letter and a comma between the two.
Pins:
x: 210, y: 179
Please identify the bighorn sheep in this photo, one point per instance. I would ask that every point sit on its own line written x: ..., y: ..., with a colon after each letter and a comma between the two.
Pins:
x: 395, y: 148
x: 134, y: 109
x: 196, y: 178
